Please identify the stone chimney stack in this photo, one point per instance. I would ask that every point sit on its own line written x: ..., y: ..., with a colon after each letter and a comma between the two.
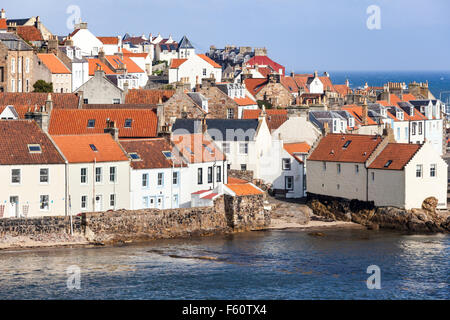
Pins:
x: 365, y: 113
x: 112, y: 129
x: 388, y: 133
x: 326, y: 129
x: 204, y: 126
x: 99, y: 72
x: 49, y: 103
x: 41, y: 116
x: 347, y: 83
x: 53, y: 43
x: 101, y: 55
x: 69, y: 42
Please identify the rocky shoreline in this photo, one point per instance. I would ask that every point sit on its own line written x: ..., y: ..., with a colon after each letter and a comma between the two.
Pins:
x: 425, y: 220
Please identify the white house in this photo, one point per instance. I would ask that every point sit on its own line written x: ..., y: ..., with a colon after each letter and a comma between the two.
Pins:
x: 80, y: 66
x: 32, y: 171
x: 111, y: 45
x: 157, y: 175
x: 238, y: 93
x: 98, y: 176
x: 82, y: 38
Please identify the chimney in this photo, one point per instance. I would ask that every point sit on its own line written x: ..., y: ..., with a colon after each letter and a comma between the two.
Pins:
x: 365, y: 113
x: 160, y: 117
x: 99, y: 73
x: 69, y: 42
x: 326, y: 129
x: 126, y: 86
x: 101, y: 55
x: 388, y: 133
x: 112, y: 129
x: 49, y: 104
x: 315, y: 74
x: 3, y: 14
x: 347, y: 83
x: 204, y: 126
x: 197, y: 85
x: 40, y: 116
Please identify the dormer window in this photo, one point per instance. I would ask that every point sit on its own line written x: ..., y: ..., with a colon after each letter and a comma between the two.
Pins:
x: 34, y: 148
x: 91, y: 123
x: 128, y: 123
x: 351, y: 122
x: 400, y: 115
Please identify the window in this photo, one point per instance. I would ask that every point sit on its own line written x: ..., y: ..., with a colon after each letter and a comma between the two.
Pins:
x: 83, y: 175
x: 128, y: 123
x: 210, y: 174
x: 356, y: 168
x: 289, y: 183
x: 13, y: 85
x: 347, y: 143
x: 433, y: 170
x: 86, y: 101
x: 116, y: 101
x: 200, y: 176
x: 175, y: 178
x: 286, y: 164
x: 98, y: 174
x: 145, y: 180
x: 243, y: 167
x: 219, y: 174
x: 43, y: 175
x: 34, y: 148
x: 19, y: 65
x: 230, y: 113
x: 420, y: 127
x: 414, y: 129
x: 27, y: 65
x: 324, y: 166
x: 373, y: 176
x: 226, y: 147
x: 28, y: 86
x: 160, y: 178
x: 15, y: 176
x: 338, y: 186
x: 243, y: 148
x: 134, y: 156
x: 112, y: 174
x: 93, y: 147
x: 43, y: 202
x: 167, y: 154
x: 145, y: 203
x: 13, y: 65
x: 388, y: 163
x: 112, y: 200
x: 204, y: 71
x: 398, y: 133
x: 83, y: 202
x: 339, y: 168
x: 91, y: 123
x: 418, y: 171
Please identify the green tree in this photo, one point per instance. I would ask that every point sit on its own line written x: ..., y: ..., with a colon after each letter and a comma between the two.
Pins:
x: 42, y: 86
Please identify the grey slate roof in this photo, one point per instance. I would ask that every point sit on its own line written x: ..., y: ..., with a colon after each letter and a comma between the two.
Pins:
x: 13, y: 42
x: 185, y: 43
x: 221, y: 129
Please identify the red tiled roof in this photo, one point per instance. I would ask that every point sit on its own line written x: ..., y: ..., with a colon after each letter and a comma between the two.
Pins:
x: 192, y: 147
x: 357, y: 111
x: 330, y: 148
x: 150, y: 152
x: 29, y: 33
x: 144, y: 122
x: 254, y: 85
x: 301, y: 81
x: 148, y: 96
x: 175, y: 63
x: 94, y: 63
x: 399, y: 154
x: 327, y: 84
x: 32, y: 99
x: 254, y: 114
x: 16, y: 135
x: 290, y: 84
x: 297, y: 147
x: 245, y: 101
x: 210, y: 196
x: 265, y: 61
x: 210, y: 61
x: 109, y: 40
x: 53, y: 63
x: 264, y: 71
x: 117, y: 63
x: 77, y: 149
x: 3, y: 24
x: 342, y: 89
x: 244, y: 189
x: 408, y: 97
x: 232, y: 180
x: 21, y: 110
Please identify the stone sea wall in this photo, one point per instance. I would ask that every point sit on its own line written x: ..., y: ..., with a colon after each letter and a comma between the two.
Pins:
x: 229, y: 214
x: 424, y: 220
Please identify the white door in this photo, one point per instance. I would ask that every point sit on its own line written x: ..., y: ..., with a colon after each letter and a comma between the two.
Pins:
x: 98, y: 203
x: 159, y: 202
x: 14, y: 206
x: 152, y: 202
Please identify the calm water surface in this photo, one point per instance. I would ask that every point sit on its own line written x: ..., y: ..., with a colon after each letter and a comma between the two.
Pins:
x: 257, y: 265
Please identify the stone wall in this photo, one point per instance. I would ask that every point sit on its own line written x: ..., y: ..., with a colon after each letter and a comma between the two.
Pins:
x: 246, y: 175
x: 276, y: 94
x: 181, y: 106
x: 246, y: 212
x: 424, y: 220
x: 219, y: 103
x: 39, y: 226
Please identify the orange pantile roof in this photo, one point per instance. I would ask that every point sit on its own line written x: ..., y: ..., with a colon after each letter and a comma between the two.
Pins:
x: 29, y: 33
x: 118, y: 63
x: 245, y: 101
x: 395, y: 156
x: 77, y: 148
x: 109, y: 40
x: 264, y: 71
x: 342, y: 89
x: 175, y: 63
x: 94, y: 63
x: 255, y: 85
x: 210, y: 61
x: 254, y: 114
x: 148, y: 96
x: 408, y: 97
x: 244, y: 189
x: 232, y: 180
x: 297, y: 147
x: 194, y: 147
x: 331, y: 148
x: 3, y: 24
x: 53, y: 63
x: 135, y: 55
x: 357, y: 111
x: 301, y: 81
x: 143, y: 122
x: 37, y: 99
x: 290, y: 84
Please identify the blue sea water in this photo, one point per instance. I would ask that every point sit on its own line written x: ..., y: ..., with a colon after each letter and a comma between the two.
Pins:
x: 288, y: 264
x: 438, y: 81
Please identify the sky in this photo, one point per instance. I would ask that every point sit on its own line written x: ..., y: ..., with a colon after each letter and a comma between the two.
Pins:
x: 333, y: 35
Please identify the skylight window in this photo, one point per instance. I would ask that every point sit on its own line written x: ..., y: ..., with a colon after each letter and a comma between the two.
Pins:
x: 34, y: 148
x: 347, y: 143
x: 388, y: 163
x: 91, y: 123
x: 134, y: 156
x: 189, y: 150
x: 208, y: 148
x: 128, y: 123
x: 93, y: 147
x: 167, y: 154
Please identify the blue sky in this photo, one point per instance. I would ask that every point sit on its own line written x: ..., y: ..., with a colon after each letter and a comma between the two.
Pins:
x: 302, y: 35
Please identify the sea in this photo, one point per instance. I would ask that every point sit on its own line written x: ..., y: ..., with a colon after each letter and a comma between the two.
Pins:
x: 276, y: 264
x: 438, y: 81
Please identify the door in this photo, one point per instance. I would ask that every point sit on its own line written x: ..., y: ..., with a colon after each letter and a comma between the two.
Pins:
x: 14, y: 206
x: 98, y: 203
x: 159, y: 202
x: 152, y: 202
